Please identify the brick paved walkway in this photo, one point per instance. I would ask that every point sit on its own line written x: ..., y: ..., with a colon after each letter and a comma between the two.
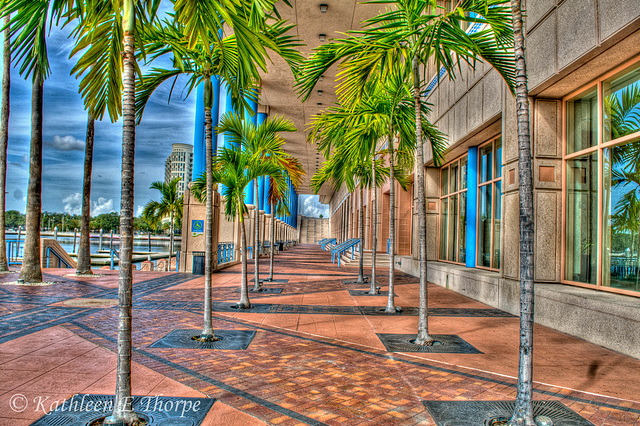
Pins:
x: 315, y: 359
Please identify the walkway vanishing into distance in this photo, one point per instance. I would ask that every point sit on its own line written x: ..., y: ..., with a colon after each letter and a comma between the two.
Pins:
x: 316, y: 357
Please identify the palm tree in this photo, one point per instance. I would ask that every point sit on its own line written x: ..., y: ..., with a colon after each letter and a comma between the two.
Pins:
x: 170, y: 204
x: 28, y: 30
x: 4, y: 137
x: 264, y: 144
x: 236, y: 60
x: 126, y: 17
x: 411, y: 34
x: 523, y: 411
x: 234, y: 170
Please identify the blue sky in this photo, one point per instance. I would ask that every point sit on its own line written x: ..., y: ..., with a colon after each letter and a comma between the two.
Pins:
x: 64, y: 134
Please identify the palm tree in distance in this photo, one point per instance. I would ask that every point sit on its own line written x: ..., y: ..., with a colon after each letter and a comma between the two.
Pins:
x: 386, y: 111
x: 170, y: 205
x: 409, y: 35
x: 234, y: 169
x: 264, y: 144
x: 28, y: 27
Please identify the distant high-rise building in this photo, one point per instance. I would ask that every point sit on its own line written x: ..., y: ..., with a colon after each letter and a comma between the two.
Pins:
x: 179, y: 164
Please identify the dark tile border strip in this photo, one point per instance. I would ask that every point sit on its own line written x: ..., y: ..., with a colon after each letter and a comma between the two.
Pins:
x: 214, y: 382
x: 49, y: 324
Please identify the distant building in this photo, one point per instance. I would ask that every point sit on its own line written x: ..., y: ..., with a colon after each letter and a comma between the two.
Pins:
x: 179, y: 164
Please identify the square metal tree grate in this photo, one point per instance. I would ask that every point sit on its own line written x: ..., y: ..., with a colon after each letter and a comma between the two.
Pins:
x: 366, y: 281
x: 366, y: 293
x: 275, y: 280
x: 235, y: 340
x: 82, y: 409
x: 444, y: 343
x: 263, y: 290
x: 471, y: 413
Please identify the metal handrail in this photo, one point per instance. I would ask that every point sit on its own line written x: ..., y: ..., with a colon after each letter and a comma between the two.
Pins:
x: 114, y: 252
x: 327, y: 241
x: 341, y: 248
x: 50, y: 251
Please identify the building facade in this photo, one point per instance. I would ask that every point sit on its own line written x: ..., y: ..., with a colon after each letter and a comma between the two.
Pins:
x: 179, y: 164
x: 583, y: 61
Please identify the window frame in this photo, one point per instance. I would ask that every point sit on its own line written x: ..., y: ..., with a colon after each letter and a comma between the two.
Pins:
x: 600, y: 147
x: 491, y: 182
x: 458, y: 162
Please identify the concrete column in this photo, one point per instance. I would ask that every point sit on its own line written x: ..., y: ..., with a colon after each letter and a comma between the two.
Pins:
x: 250, y: 116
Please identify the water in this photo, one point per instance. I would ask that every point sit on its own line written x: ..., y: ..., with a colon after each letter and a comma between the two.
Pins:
x: 157, y: 246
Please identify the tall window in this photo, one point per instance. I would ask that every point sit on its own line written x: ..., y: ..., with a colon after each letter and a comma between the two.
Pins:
x: 489, y: 203
x: 602, y: 183
x: 453, y: 211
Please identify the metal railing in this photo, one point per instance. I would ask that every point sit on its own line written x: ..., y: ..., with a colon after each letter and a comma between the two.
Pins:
x: 341, y: 248
x: 50, y: 252
x: 15, y: 252
x: 326, y: 241
x: 114, y: 252
x: 226, y: 253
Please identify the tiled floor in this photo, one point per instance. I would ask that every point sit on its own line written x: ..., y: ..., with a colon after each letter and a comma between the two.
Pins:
x: 316, y: 358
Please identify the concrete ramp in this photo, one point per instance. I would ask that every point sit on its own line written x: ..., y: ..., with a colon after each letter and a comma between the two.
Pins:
x: 57, y: 256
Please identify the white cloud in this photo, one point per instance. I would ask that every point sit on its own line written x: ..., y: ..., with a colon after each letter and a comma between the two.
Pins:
x: 102, y: 206
x: 311, y: 207
x: 139, y: 210
x: 73, y: 203
x: 66, y: 143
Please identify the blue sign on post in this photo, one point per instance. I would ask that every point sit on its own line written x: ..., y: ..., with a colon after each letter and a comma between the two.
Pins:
x: 197, y: 227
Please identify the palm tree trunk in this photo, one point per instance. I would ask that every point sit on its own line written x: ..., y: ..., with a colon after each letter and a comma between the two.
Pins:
x: 4, y: 139
x: 523, y: 412
x: 423, y: 337
x: 123, y: 412
x: 207, y: 329
x: 84, y: 251
x: 361, y: 235
x: 244, y: 288
x: 256, y: 255
x: 31, y: 270
x: 273, y: 241
x: 391, y: 304
x: 374, y: 228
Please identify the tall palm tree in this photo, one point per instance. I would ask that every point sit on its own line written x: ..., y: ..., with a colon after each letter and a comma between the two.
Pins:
x: 234, y: 170
x: 131, y: 21
x: 4, y: 137
x: 28, y: 29
x: 523, y: 411
x: 264, y: 144
x: 170, y: 204
x: 410, y: 35
x: 233, y: 60
x: 99, y: 67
